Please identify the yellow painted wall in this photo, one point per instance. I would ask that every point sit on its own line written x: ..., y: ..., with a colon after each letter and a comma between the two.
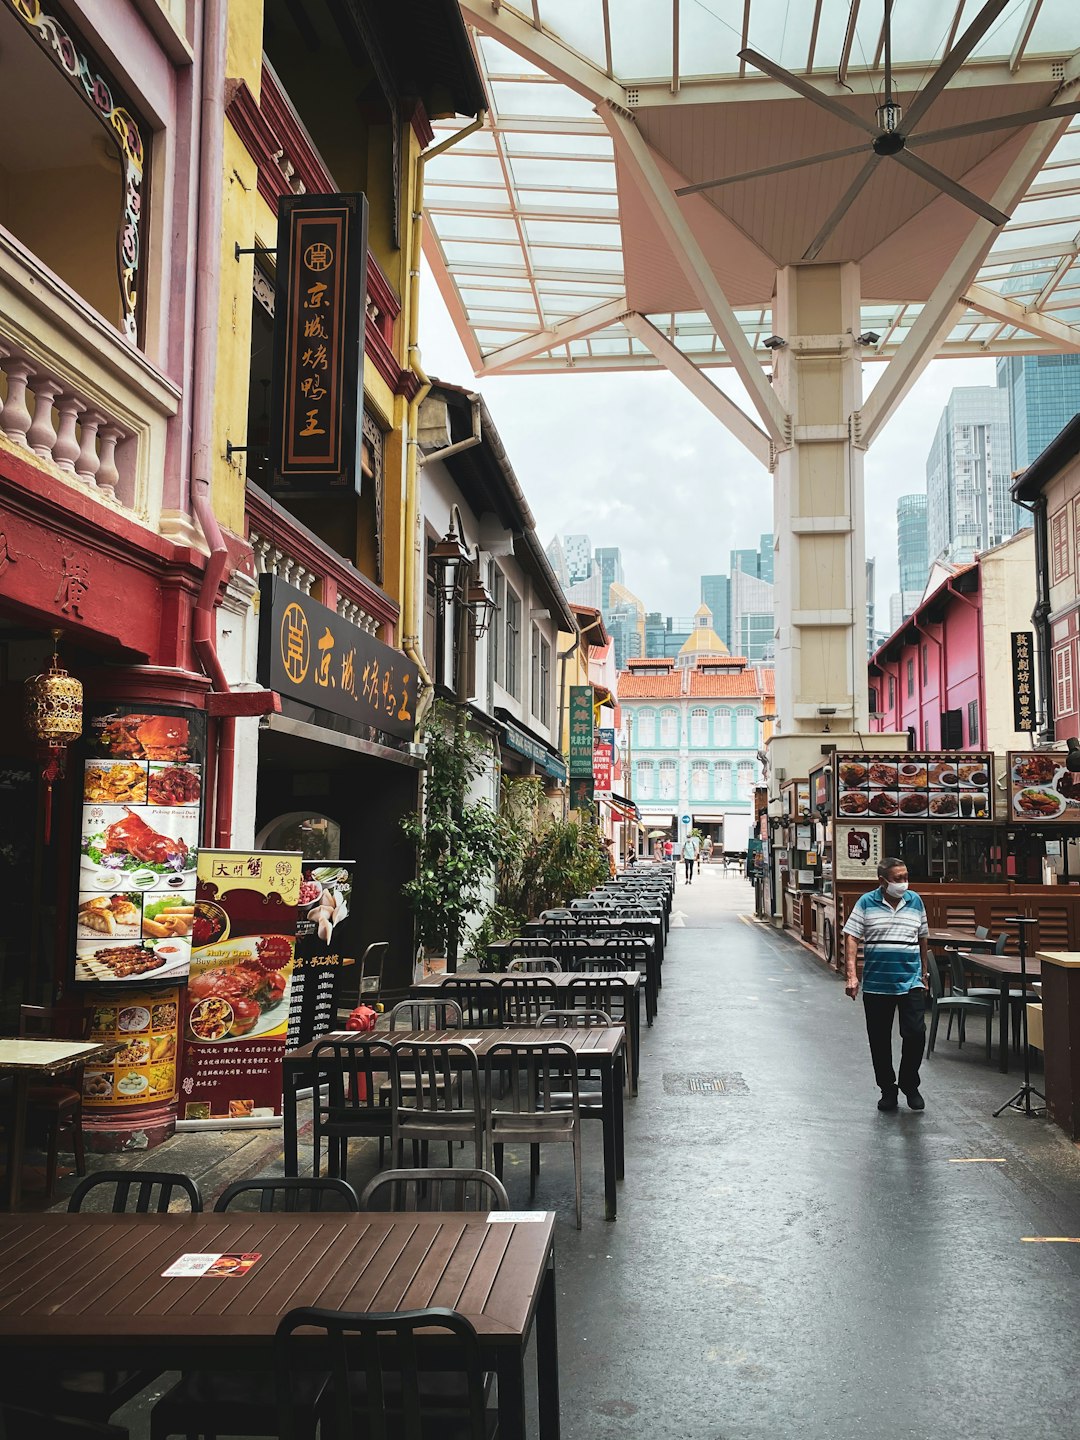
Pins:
x: 243, y: 56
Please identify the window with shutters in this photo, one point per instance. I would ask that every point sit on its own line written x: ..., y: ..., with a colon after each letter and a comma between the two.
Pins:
x: 512, y: 679
x: 892, y: 691
x: 745, y: 727
x: 973, y: 722
x: 699, y: 780
x: 723, y: 780
x: 722, y: 727
x: 699, y: 728
x: 926, y: 734
x: 1063, y: 681
x: 746, y: 780
x: 645, y: 728
x: 643, y: 780
x: 911, y: 679
x: 669, y: 727
x: 668, y: 773
x: 925, y: 662
x: 1059, y: 545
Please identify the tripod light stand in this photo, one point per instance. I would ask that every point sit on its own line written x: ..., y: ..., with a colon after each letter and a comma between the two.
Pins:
x: 1021, y: 1101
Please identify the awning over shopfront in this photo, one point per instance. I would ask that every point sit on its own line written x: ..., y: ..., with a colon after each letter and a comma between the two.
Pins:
x: 657, y: 822
x: 515, y: 738
x: 712, y: 817
x: 625, y: 809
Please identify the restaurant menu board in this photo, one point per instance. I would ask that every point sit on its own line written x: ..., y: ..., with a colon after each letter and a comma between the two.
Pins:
x: 327, y: 938
x: 144, y: 1068
x: 950, y: 785
x: 237, y: 1006
x: 857, y: 853
x: 140, y: 816
x: 1041, y: 790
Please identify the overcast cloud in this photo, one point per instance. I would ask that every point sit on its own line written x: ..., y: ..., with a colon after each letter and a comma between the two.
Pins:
x: 634, y: 460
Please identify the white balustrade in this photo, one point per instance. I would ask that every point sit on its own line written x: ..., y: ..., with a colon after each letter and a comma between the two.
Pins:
x: 270, y: 559
x: 61, y: 430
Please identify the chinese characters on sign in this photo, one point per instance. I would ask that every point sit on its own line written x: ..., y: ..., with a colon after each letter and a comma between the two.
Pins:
x: 309, y: 653
x: 581, y: 732
x: 1023, y: 687
x: 604, y: 759
x: 318, y: 344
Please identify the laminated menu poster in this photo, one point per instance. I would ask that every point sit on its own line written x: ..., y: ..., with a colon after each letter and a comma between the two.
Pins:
x: 327, y: 936
x: 237, y: 1006
x: 140, y: 816
x: 143, y: 1068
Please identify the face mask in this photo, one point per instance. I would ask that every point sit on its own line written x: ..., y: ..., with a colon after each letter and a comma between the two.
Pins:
x: 896, y: 888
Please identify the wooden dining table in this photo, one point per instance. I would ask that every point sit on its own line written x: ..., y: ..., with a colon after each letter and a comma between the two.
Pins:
x: 600, y: 1049
x: 961, y: 940
x: 28, y: 1059
x: 429, y: 990
x: 90, y: 1288
x: 1003, y: 970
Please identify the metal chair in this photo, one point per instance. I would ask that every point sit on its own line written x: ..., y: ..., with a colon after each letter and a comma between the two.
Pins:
x: 428, y: 1083
x: 345, y: 1099
x: 379, y: 1378
x: 613, y: 996
x: 292, y: 1191
x: 369, y: 983
x: 962, y: 1004
x: 144, y: 1183
x: 428, y: 1189
x: 478, y: 996
x: 56, y: 1106
x: 590, y: 1089
x: 524, y: 998
x: 426, y: 1015
x: 534, y: 965
x: 526, y: 1114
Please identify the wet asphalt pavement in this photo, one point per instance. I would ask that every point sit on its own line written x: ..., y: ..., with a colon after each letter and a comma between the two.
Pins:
x: 787, y: 1261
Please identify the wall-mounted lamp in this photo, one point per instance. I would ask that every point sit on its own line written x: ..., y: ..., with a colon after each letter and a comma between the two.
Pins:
x: 868, y: 337
x: 451, y: 559
x: 774, y: 342
x: 479, y: 599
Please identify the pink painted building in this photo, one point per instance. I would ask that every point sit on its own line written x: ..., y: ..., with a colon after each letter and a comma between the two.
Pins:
x: 945, y: 675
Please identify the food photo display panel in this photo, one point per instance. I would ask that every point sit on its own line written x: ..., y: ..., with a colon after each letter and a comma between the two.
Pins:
x: 1042, y: 790
x: 145, y: 1027
x: 139, y: 828
x: 928, y: 785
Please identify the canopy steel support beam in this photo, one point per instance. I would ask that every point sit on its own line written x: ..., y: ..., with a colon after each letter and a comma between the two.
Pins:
x: 553, y: 336
x: 641, y: 163
x: 551, y: 55
x: 702, y: 388
x: 941, y: 311
x: 1009, y: 312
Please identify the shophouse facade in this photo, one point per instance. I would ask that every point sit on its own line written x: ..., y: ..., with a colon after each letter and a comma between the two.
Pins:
x: 945, y: 676
x: 697, y: 735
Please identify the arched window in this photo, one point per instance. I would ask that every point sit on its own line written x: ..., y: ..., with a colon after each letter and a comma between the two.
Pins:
x: 668, y: 776
x: 722, y: 728
x: 699, y: 727
x: 644, y: 780
x: 746, y: 780
x: 645, y: 727
x: 745, y: 726
x: 699, y: 780
x: 722, y: 778
x: 669, y: 727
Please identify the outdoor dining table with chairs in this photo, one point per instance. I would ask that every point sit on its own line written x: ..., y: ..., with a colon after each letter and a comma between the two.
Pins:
x: 348, y: 1074
x: 104, y: 1290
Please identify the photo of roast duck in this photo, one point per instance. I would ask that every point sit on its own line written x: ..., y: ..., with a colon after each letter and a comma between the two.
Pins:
x: 147, y: 737
x: 134, y: 836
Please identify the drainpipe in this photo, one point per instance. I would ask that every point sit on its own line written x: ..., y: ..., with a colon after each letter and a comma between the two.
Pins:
x: 456, y: 449
x: 410, y: 642
x: 208, y: 245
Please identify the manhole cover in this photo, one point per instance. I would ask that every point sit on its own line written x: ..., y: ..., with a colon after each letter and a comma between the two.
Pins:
x: 704, y: 1083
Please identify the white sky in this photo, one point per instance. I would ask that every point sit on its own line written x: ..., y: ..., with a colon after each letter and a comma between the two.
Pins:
x: 634, y: 460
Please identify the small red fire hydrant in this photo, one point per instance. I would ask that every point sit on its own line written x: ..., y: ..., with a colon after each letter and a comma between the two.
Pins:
x: 362, y: 1019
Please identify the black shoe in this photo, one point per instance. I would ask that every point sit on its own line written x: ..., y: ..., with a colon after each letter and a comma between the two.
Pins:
x: 887, y: 1102
x: 915, y: 1101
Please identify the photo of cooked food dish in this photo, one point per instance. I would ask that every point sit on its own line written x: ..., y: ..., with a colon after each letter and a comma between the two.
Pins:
x: 169, y: 917
x: 117, y: 914
x: 944, y: 802
x: 131, y: 1084
x: 210, y: 1019
x: 115, y: 782
x: 211, y: 924
x: 973, y: 777
x: 132, y: 1019
x: 146, y: 847
x: 853, y: 802
x: 135, y: 1052
x: 135, y: 960
x: 913, y: 802
x: 98, y: 1084
x: 163, y: 1015
x: 1035, y: 769
x: 884, y: 802
x: 174, y: 784
x: 142, y: 736
x: 1039, y: 803
x: 882, y: 775
x: 853, y: 774
x: 911, y: 775
x: 942, y: 775
x: 252, y: 976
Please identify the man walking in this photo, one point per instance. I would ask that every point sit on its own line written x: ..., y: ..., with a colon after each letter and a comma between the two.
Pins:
x: 689, y: 855
x: 891, y: 923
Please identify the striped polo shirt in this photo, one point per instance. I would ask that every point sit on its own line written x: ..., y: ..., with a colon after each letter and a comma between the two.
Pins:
x: 892, y: 964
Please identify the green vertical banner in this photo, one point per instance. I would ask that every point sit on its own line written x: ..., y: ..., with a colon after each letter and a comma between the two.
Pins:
x: 581, y: 732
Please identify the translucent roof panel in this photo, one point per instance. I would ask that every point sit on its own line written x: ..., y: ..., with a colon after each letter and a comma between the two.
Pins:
x: 545, y: 239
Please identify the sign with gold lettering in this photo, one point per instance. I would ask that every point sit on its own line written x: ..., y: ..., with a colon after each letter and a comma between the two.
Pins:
x: 309, y: 653
x: 317, y: 396
x: 1023, y: 681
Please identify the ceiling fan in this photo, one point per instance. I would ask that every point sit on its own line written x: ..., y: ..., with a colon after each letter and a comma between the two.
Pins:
x: 891, y: 138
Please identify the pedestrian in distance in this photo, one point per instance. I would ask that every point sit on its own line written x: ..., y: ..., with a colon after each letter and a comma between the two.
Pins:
x: 706, y: 849
x: 689, y: 855
x: 697, y: 852
x: 891, y: 923
x: 669, y: 849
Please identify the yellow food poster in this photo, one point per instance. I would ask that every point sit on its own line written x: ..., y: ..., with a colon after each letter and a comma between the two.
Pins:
x: 146, y: 1028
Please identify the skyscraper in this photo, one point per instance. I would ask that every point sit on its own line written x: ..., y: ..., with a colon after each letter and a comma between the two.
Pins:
x: 579, y: 562
x: 968, y: 475
x: 716, y: 594
x: 871, y: 596
x: 753, y: 623
x: 557, y: 557
x: 608, y: 560
x: 911, y: 542
x: 1044, y: 395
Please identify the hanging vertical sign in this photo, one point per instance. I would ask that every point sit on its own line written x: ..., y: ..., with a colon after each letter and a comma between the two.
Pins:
x: 317, y: 394
x: 581, y: 732
x: 237, y: 1010
x: 603, y: 758
x: 1023, y: 693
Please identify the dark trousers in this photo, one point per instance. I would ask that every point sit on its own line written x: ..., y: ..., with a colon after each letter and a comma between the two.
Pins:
x: 689, y: 869
x: 879, y: 1010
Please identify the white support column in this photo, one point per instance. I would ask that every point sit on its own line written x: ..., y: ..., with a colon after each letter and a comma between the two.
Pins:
x: 820, y: 565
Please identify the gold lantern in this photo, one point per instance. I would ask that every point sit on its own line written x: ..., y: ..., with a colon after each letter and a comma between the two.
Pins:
x: 54, y: 709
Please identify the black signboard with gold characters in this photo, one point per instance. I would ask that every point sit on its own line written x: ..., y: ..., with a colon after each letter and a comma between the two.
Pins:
x: 941, y: 785
x: 317, y: 395
x: 310, y: 654
x: 1023, y: 671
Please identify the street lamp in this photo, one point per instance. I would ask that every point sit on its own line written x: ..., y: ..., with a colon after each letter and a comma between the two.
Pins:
x: 450, y: 559
x: 480, y: 601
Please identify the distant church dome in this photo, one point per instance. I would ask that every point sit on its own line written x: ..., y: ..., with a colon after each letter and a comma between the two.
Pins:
x: 702, y: 640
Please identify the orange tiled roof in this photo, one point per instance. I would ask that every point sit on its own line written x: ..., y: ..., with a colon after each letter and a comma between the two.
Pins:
x: 647, y: 687
x: 745, y: 682
x: 752, y: 682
